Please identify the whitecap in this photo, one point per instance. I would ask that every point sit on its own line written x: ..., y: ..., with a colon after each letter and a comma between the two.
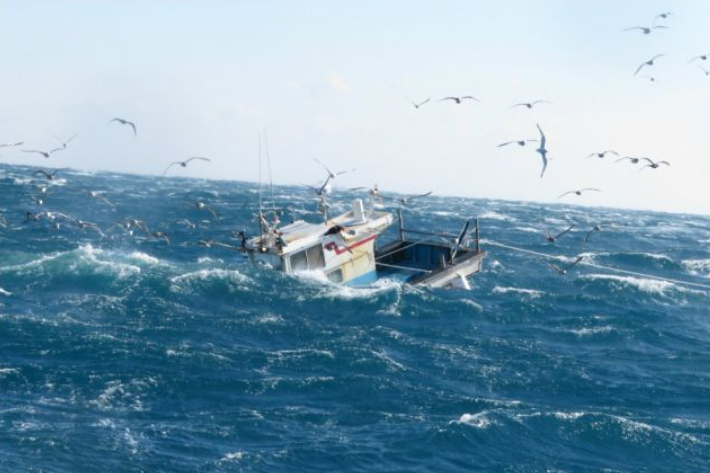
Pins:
x: 479, y: 420
x: 144, y: 258
x: 490, y: 215
x: 235, y: 456
x: 651, y: 286
x: 587, y: 331
x: 697, y: 267
x: 532, y: 293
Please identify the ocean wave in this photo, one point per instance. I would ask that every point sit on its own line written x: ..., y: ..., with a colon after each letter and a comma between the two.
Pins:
x: 588, y: 331
x: 650, y: 286
x: 330, y: 290
x: 532, y: 293
x: 490, y: 215
x: 697, y: 267
x: 479, y: 420
x: 231, y: 279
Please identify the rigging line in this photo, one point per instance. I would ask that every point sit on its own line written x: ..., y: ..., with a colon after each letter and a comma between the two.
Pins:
x: 595, y: 265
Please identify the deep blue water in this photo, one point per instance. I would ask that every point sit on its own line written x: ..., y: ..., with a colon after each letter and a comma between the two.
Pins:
x: 121, y: 353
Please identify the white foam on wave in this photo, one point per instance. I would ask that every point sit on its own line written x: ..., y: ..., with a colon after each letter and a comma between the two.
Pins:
x: 144, y: 258
x: 94, y: 258
x: 527, y: 229
x: 233, y: 276
x: 332, y: 290
x: 4, y: 292
x: 650, y: 286
x: 697, y: 267
x: 588, y: 331
x: 480, y: 420
x: 490, y: 215
x: 234, y: 456
x: 532, y: 293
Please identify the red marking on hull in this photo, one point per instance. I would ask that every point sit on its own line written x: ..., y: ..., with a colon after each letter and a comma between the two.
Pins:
x: 340, y: 250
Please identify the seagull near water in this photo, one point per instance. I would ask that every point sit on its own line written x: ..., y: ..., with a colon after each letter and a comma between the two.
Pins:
x: 529, y: 105
x: 458, y: 100
x: 603, y: 154
x: 125, y: 122
x: 650, y: 62
x: 407, y: 199
x: 596, y: 228
x: 49, y: 176
x: 517, y: 142
x: 542, y: 150
x: 579, y: 191
x: 553, y: 238
x: 562, y: 271
x: 202, y: 206
x: 184, y: 163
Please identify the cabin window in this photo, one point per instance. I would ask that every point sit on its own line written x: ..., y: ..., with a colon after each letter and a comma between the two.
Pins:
x: 299, y: 261
x: 336, y: 276
x: 310, y: 258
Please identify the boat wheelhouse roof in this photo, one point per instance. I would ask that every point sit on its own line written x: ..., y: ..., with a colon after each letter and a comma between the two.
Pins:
x: 300, y: 233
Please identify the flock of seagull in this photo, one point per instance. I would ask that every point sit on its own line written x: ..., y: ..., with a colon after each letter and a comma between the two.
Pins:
x: 131, y: 225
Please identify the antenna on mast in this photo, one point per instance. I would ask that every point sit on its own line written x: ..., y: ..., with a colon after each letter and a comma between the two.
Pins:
x: 261, y: 224
x: 268, y: 162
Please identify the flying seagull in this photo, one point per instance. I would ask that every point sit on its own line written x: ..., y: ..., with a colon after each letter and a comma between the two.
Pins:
x: 650, y: 78
x: 553, y: 238
x: 542, y: 150
x: 161, y: 236
x: 405, y: 200
x: 64, y: 143
x: 8, y: 145
x: 603, y: 154
x: 644, y: 29
x: 417, y: 105
x: 654, y: 164
x: 49, y: 176
x: 46, y: 154
x: 633, y: 160
x: 702, y: 57
x: 707, y: 73
x: 650, y: 62
x: 202, y: 206
x: 529, y: 105
x: 184, y: 163
x: 125, y: 122
x: 578, y: 191
x: 517, y: 142
x: 563, y: 271
x: 664, y: 15
x: 458, y: 100
x: 331, y: 174
x: 187, y: 223
x: 461, y: 241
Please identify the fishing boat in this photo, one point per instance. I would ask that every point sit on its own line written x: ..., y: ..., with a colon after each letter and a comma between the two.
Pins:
x: 348, y: 250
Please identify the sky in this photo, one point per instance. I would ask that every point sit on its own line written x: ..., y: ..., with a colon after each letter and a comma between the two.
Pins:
x: 332, y: 80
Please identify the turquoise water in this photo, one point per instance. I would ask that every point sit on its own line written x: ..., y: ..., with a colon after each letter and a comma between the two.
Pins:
x: 121, y: 353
